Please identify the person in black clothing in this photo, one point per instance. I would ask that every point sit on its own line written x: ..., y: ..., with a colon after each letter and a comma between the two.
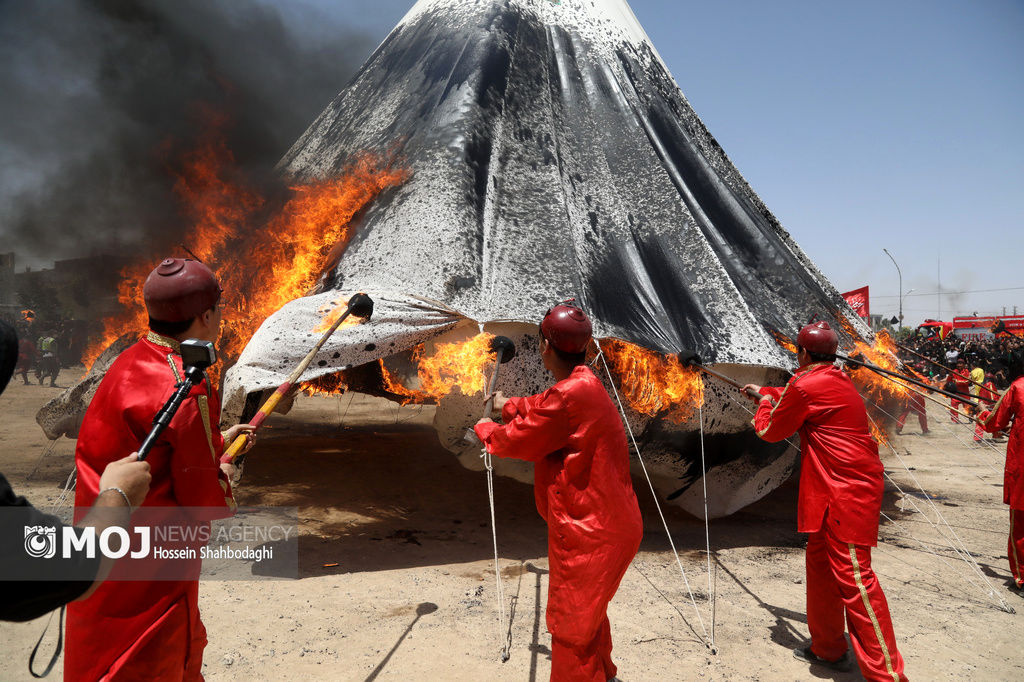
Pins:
x: 24, y: 551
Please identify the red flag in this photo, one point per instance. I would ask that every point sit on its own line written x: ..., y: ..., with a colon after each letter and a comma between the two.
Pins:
x: 858, y: 300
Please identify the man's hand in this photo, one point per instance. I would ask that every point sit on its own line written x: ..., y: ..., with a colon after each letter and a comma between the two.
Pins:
x: 485, y: 420
x: 753, y: 391
x: 231, y: 471
x: 499, y: 401
x: 237, y: 430
x: 130, y: 475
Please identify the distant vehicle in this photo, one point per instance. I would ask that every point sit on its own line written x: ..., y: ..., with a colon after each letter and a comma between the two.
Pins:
x: 975, y: 328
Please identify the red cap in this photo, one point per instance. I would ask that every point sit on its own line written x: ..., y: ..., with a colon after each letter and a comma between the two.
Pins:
x: 180, y: 289
x: 818, y: 337
x: 567, y: 328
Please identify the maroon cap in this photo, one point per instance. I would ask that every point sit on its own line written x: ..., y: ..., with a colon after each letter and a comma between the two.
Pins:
x: 567, y: 328
x: 818, y: 337
x: 180, y: 289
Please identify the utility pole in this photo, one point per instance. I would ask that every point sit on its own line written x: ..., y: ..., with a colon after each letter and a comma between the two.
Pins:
x: 900, y: 273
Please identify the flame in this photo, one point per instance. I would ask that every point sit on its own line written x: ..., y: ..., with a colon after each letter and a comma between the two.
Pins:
x: 449, y: 366
x: 883, y: 354
x: 330, y: 314
x: 259, y: 269
x: 653, y: 384
x: 28, y: 315
x: 394, y: 386
x: 784, y: 341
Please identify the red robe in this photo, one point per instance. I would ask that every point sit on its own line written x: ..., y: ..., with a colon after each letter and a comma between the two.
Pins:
x: 839, y: 504
x: 573, y: 434
x: 143, y: 629
x: 1010, y: 409
x: 840, y: 470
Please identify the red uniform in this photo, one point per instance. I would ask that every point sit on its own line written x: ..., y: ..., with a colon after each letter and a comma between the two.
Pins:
x: 839, y: 505
x: 147, y: 629
x: 573, y: 434
x: 1011, y: 408
x: 915, y: 404
x: 961, y: 384
x: 986, y: 396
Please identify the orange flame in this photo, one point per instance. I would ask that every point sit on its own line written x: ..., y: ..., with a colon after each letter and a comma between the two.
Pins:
x: 883, y: 354
x: 653, y: 384
x: 260, y: 270
x: 461, y: 365
x: 784, y: 341
x: 28, y: 315
x: 330, y: 314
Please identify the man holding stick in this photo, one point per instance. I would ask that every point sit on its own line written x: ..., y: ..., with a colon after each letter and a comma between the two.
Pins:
x: 573, y: 434
x: 150, y: 629
x: 839, y: 505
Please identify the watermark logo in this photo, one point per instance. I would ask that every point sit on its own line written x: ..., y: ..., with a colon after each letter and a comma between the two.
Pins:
x: 41, y: 541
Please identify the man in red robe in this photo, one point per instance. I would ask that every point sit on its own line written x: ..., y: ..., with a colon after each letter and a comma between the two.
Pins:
x: 958, y: 382
x: 150, y: 629
x: 839, y: 505
x: 573, y: 434
x: 1010, y: 409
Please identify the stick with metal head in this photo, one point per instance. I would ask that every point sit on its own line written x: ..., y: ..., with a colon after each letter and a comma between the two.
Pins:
x: 359, y: 305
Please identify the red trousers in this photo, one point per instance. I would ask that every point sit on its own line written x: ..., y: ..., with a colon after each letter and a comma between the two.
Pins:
x: 954, y: 412
x: 591, y: 663
x: 916, y: 405
x: 1015, y: 546
x: 842, y: 587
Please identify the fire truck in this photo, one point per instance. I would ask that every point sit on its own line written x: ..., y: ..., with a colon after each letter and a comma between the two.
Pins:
x: 975, y: 328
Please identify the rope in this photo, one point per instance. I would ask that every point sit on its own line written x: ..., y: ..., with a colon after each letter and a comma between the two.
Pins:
x: 967, y: 559
x: 69, y: 485
x: 964, y: 553
x: 497, y: 568
x: 46, y: 452
x: 707, y: 524
x: 654, y: 495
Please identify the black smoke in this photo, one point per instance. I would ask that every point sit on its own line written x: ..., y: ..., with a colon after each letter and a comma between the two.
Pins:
x: 100, y: 97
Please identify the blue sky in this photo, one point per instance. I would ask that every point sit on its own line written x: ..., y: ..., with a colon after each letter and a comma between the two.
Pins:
x: 864, y: 125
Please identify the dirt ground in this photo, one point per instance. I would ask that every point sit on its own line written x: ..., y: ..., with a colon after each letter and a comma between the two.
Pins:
x: 413, y: 595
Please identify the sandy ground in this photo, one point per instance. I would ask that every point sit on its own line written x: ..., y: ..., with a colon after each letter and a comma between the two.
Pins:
x: 413, y: 596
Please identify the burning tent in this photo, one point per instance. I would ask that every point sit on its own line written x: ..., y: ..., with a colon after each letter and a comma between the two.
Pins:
x: 550, y: 155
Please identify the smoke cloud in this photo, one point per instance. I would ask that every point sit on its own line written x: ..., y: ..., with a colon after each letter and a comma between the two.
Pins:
x: 100, y: 96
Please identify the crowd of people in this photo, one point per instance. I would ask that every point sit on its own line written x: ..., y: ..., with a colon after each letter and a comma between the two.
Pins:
x: 1001, y: 358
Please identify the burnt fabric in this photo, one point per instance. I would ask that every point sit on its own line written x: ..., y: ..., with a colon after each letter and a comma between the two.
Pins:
x: 915, y: 404
x: 839, y: 504
x: 1007, y: 413
x: 148, y: 629
x: 573, y: 435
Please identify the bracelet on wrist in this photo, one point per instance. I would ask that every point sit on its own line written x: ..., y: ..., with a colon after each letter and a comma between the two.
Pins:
x: 123, y: 494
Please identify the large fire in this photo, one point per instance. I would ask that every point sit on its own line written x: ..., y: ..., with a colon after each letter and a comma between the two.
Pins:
x: 883, y: 354
x: 654, y: 384
x: 448, y: 366
x: 259, y: 269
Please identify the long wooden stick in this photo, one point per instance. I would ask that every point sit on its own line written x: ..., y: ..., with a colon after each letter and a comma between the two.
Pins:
x: 362, y: 306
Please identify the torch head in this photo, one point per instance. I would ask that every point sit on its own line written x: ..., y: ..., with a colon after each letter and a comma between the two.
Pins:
x: 361, y: 305
x: 688, y: 358
x: 505, y: 346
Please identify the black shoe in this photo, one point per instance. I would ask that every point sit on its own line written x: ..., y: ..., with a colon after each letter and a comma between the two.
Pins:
x: 843, y: 664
